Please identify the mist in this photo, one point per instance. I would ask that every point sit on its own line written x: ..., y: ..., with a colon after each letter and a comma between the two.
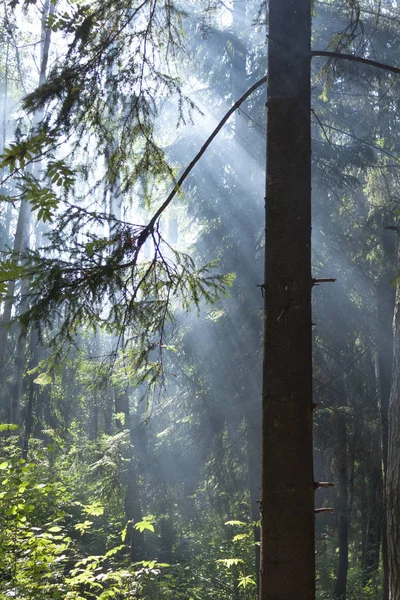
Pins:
x: 131, y: 350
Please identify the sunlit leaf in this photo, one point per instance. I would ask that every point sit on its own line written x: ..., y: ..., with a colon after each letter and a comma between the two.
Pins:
x: 230, y: 562
x: 43, y: 379
x: 246, y: 581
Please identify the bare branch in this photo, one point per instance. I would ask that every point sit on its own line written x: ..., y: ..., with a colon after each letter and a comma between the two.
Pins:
x: 149, y: 228
x: 359, y: 59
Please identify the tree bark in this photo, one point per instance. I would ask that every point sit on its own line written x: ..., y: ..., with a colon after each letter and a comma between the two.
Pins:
x: 21, y: 237
x: 287, y: 491
x: 385, y: 300
x: 19, y: 360
x: 393, y: 463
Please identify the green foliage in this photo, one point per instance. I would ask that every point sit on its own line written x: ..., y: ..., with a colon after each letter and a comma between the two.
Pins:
x: 146, y: 525
x: 242, y: 564
x: 103, y: 282
x: 20, y: 153
x: 33, y: 547
x: 40, y: 555
x: 89, y: 97
x: 10, y: 270
x: 42, y: 199
x: 229, y: 562
x: 93, y: 286
x: 60, y: 174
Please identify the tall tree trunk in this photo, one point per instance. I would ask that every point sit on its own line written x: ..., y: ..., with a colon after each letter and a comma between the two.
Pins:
x: 393, y: 462
x: 5, y: 237
x: 385, y: 299
x: 342, y: 509
x: 21, y: 237
x: 21, y: 241
x: 253, y: 460
x: 287, y: 490
x: 19, y: 362
x: 33, y: 392
x: 133, y: 508
x: 239, y: 73
x: 373, y: 527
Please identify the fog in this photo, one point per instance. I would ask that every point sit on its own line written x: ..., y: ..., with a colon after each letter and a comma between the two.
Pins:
x: 183, y: 379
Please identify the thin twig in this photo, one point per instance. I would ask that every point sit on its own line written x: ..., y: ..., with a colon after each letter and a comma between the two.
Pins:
x: 359, y: 59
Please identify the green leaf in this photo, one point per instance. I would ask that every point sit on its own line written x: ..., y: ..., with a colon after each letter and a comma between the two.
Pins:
x: 114, y: 551
x: 82, y: 527
x: 246, y: 581
x: 230, y: 562
x: 95, y: 509
x: 241, y: 536
x: 10, y: 270
x: 146, y: 524
x: 8, y: 427
x: 237, y: 523
x: 43, y: 379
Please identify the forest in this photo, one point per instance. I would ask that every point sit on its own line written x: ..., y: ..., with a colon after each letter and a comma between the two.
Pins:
x: 200, y: 299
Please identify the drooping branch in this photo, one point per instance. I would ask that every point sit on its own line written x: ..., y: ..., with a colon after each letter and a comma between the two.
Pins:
x: 150, y: 227
x: 359, y: 59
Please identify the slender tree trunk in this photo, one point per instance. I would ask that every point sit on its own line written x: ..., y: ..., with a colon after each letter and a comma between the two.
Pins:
x: 28, y: 419
x: 133, y: 508
x: 5, y: 99
x: 253, y: 459
x: 385, y: 299
x: 21, y: 242
x: 342, y: 509
x: 393, y: 462
x: 96, y: 398
x: 21, y: 234
x: 5, y: 238
x: 239, y: 74
x: 373, y: 529
x: 287, y: 491
x: 19, y: 361
x: 33, y: 393
x: 7, y: 225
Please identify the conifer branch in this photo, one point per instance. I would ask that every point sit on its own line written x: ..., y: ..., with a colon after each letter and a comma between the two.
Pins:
x: 359, y: 59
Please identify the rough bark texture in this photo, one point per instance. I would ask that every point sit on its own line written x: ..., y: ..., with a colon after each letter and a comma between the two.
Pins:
x: 393, y: 462
x: 287, y: 493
